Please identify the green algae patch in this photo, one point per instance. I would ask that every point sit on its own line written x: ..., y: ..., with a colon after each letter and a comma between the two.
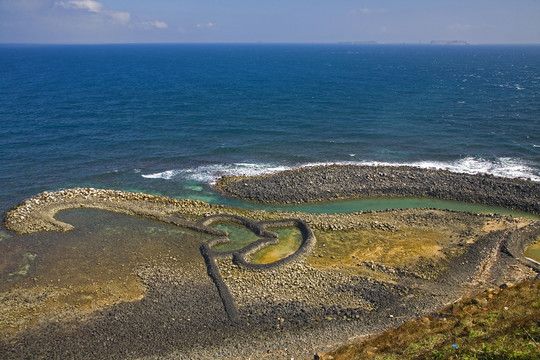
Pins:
x: 407, y: 250
x: 26, y: 306
x: 409, y: 242
x: 25, y: 265
x: 289, y: 241
x: 533, y: 251
x: 4, y: 235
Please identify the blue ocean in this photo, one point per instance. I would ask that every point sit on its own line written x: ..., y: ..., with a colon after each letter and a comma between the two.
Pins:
x: 170, y: 119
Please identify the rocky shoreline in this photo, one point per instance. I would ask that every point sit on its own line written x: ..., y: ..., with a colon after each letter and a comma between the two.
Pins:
x: 335, y: 182
x: 292, y: 312
x: 310, y: 302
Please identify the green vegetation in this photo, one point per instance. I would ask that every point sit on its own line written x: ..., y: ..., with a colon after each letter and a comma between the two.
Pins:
x: 494, y: 325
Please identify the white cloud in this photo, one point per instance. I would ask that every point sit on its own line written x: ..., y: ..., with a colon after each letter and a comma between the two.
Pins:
x: 206, y: 25
x: 160, y: 24
x: 156, y: 24
x: 121, y: 17
x: 114, y: 16
x: 95, y: 7
x: 89, y: 5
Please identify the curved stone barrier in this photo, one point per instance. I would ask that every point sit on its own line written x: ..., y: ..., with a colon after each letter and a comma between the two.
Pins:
x: 306, y: 247
x: 516, y: 243
x: 268, y: 238
x: 239, y: 257
x: 254, y: 226
x: 37, y: 213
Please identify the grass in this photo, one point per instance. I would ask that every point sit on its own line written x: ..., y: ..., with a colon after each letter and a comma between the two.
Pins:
x: 493, y: 325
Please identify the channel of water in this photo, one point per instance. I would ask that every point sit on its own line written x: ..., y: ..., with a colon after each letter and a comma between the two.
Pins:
x: 355, y: 205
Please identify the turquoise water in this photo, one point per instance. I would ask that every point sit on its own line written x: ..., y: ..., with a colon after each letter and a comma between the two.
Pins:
x: 348, y: 206
x: 239, y: 237
x: 367, y: 204
x: 103, y: 246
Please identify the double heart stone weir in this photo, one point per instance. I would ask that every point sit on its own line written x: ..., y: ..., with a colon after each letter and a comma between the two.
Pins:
x: 241, y: 257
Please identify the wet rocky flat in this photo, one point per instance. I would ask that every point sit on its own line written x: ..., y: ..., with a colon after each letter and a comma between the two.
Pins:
x: 368, y: 271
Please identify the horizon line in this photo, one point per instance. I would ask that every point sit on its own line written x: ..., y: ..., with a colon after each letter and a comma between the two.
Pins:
x: 357, y: 43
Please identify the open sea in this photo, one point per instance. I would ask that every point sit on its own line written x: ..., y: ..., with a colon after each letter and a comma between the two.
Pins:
x: 170, y: 119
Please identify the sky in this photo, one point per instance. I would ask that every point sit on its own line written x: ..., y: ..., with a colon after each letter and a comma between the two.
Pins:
x: 271, y: 21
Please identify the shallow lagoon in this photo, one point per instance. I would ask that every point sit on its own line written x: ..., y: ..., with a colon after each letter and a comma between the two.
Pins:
x: 209, y: 195
x: 108, y: 246
x: 103, y: 244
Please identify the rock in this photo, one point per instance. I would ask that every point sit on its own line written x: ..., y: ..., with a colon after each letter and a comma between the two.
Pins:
x: 324, y: 183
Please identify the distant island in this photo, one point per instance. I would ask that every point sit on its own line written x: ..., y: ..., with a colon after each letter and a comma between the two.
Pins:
x: 449, y: 42
x: 432, y: 42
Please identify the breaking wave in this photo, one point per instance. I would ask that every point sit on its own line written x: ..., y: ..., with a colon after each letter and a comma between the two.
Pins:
x: 502, y: 167
x: 210, y: 173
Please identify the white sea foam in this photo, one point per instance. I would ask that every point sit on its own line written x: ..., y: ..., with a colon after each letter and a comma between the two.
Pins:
x: 502, y: 167
x: 166, y: 175
x: 210, y: 173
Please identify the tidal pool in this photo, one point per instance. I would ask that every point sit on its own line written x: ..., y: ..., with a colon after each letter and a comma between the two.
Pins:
x: 104, y: 246
x: 240, y: 237
x: 533, y: 251
x: 48, y: 275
